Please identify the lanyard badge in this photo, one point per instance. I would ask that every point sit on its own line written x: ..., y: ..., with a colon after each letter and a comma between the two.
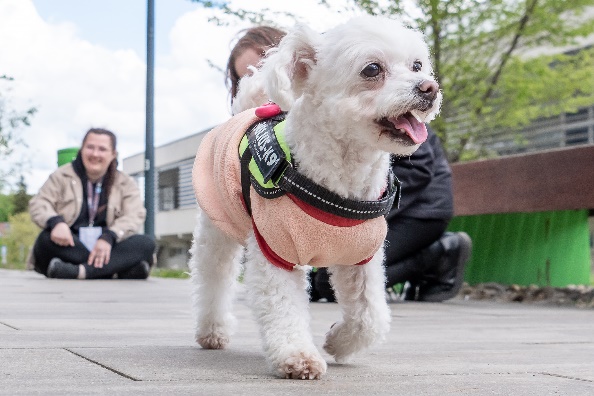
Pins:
x: 93, y: 200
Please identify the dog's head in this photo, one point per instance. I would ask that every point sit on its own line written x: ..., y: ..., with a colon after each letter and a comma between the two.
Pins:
x: 369, y: 80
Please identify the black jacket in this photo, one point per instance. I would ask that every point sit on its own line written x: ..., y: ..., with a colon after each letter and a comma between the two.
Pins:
x: 426, y: 183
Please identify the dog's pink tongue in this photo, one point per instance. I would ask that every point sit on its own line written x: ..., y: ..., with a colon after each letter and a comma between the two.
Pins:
x: 416, y: 130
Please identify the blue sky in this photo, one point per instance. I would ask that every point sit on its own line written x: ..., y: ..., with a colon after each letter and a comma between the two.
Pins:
x: 82, y: 64
x: 116, y: 24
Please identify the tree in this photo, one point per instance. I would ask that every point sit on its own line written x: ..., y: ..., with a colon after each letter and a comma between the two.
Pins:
x: 481, y: 51
x: 487, y: 55
x: 21, y: 198
x: 6, y: 207
x: 265, y: 16
x: 11, y: 123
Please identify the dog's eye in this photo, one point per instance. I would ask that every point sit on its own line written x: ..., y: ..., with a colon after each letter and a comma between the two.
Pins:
x: 417, y: 66
x: 371, y: 70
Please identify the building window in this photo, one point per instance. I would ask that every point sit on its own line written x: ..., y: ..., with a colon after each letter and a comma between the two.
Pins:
x: 576, y: 136
x: 168, y: 189
x: 580, y: 115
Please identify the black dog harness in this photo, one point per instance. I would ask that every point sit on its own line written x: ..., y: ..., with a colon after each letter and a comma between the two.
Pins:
x: 267, y: 165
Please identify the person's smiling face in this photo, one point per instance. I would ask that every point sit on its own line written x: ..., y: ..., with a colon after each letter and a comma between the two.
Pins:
x: 97, y: 153
x: 247, y: 58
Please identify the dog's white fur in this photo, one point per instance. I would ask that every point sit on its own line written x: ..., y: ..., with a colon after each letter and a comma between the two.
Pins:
x: 332, y: 135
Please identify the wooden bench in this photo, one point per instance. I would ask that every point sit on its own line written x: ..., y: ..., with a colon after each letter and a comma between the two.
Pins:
x: 528, y: 216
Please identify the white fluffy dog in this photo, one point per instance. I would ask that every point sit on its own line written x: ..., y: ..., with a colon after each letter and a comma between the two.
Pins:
x: 354, y: 94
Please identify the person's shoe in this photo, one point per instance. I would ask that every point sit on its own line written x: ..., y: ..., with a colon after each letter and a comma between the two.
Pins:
x: 61, y: 270
x: 410, y: 291
x: 413, y: 268
x: 314, y: 296
x: 138, y: 271
x: 322, y: 285
x: 449, y: 274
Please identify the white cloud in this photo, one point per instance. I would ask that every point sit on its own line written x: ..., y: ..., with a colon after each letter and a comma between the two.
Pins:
x: 76, y: 84
x: 73, y: 83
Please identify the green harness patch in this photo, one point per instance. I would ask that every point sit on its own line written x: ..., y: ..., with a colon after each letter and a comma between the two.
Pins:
x: 266, y: 166
x: 279, y: 132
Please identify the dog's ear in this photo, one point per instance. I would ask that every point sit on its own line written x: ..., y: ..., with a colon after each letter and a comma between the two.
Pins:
x: 287, y: 68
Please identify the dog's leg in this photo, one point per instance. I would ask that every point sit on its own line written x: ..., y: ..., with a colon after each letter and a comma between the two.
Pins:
x: 214, y: 266
x: 360, y: 291
x: 281, y: 306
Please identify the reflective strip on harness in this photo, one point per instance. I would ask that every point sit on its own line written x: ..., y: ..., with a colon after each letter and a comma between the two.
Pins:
x: 266, y: 163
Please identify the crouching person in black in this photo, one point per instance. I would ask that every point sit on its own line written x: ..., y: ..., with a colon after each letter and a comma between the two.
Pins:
x: 420, y: 253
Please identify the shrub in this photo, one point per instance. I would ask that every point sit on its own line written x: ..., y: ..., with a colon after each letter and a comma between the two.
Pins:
x: 19, y: 240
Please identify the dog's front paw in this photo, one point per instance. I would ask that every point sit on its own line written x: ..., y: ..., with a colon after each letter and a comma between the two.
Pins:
x: 212, y: 341
x: 303, y: 366
x: 341, y: 342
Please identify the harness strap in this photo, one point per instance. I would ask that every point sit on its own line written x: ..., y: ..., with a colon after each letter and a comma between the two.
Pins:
x: 246, y: 157
x: 306, y: 190
x: 286, y: 179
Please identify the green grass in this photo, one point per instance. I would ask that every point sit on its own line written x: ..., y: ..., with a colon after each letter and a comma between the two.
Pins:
x: 14, y: 266
x: 170, y: 273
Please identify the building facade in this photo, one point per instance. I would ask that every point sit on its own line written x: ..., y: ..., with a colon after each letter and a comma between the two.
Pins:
x: 563, y: 130
x: 175, y: 203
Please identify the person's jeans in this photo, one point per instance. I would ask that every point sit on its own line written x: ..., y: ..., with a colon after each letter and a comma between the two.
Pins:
x: 124, y: 254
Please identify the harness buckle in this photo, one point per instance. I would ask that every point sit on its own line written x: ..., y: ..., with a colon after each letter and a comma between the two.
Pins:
x: 279, y: 173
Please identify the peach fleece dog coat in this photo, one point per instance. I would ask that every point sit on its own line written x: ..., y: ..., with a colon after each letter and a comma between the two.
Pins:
x: 289, y: 231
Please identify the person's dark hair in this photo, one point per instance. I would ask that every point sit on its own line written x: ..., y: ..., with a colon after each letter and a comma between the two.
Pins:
x: 109, y: 178
x: 260, y: 39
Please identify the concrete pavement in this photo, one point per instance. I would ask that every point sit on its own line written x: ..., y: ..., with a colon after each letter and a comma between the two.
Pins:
x: 64, y: 337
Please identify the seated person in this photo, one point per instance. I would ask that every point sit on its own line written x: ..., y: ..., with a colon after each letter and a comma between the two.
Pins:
x: 90, y: 214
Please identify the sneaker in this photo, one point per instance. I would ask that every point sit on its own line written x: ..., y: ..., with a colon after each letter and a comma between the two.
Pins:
x: 410, y: 291
x: 321, y: 289
x: 450, y: 272
x: 61, y: 270
x: 323, y: 285
x: 314, y: 296
x: 138, y: 271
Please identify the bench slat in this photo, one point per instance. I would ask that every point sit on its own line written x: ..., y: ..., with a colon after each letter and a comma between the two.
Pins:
x: 561, y: 179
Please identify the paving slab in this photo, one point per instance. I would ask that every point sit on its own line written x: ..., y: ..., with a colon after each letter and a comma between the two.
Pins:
x: 68, y: 337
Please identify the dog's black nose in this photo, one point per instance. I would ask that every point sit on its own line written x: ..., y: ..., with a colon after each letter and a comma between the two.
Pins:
x: 428, y: 89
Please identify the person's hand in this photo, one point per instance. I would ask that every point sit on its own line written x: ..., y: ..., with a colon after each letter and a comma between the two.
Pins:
x: 61, y: 235
x: 101, y: 254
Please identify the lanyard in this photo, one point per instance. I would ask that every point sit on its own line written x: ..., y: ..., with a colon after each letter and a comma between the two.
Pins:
x: 93, y: 200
